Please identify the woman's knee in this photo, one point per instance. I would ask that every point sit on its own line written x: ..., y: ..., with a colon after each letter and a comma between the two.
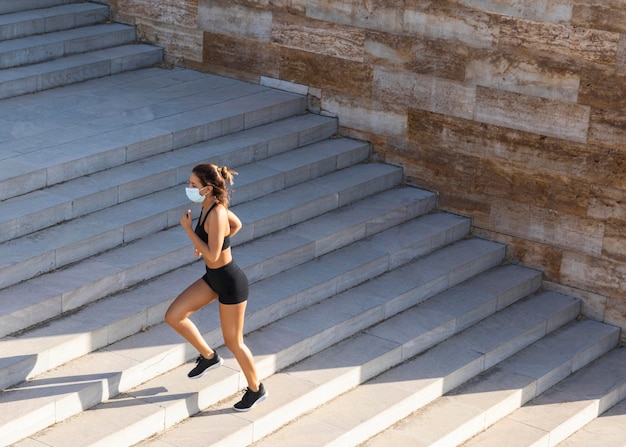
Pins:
x: 234, y: 343
x: 174, y: 315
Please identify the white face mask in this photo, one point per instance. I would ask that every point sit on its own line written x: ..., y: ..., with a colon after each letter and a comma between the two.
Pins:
x: 194, y: 195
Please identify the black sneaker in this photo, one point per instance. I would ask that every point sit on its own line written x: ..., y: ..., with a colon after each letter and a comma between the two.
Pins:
x: 250, y: 399
x: 203, y: 365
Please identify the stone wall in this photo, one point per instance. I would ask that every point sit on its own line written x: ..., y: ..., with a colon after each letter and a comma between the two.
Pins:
x: 514, y: 111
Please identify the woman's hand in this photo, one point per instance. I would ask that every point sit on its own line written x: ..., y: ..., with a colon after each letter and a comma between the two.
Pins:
x: 185, y: 221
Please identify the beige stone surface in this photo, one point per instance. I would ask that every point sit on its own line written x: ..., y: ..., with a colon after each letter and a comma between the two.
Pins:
x: 424, y: 92
x: 331, y: 74
x: 417, y: 54
x: 451, y: 22
x: 547, y: 226
x: 373, y: 15
x: 235, y: 20
x: 171, y: 12
x: 319, y: 37
x: 532, y: 114
x: 607, y: 128
x: 180, y: 44
x: 586, y: 44
x: 621, y: 55
x: 525, y: 75
x: 592, y: 273
x: 364, y: 115
x: 607, y: 15
x: 559, y: 11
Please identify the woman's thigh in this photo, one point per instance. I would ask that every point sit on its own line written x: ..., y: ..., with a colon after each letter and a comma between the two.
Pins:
x: 231, y: 319
x: 193, y: 298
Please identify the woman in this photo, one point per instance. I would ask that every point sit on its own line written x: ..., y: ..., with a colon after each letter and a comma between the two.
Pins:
x: 223, y: 280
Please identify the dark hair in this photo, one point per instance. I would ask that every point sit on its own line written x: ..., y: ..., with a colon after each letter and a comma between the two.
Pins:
x: 218, y: 177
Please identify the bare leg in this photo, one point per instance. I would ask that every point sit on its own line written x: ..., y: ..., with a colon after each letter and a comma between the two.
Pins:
x: 231, y: 318
x: 194, y: 297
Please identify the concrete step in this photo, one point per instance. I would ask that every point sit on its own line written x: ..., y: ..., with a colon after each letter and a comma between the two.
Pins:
x: 276, y: 345
x: 74, y: 198
x: 608, y: 430
x: 27, y: 257
x: 77, y: 68
x: 44, y: 47
x: 355, y: 416
x: 93, y: 126
x: 9, y: 6
x: 564, y: 409
x: 23, y: 18
x: 62, y: 290
x: 260, y: 258
x: 468, y: 410
x: 320, y: 378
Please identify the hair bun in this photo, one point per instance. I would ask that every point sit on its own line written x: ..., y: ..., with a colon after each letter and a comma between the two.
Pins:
x: 226, y: 173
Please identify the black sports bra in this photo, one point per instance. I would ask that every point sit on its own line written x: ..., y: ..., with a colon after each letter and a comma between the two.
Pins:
x: 204, y: 236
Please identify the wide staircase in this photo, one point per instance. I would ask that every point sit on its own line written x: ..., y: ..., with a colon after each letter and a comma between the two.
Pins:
x: 374, y: 318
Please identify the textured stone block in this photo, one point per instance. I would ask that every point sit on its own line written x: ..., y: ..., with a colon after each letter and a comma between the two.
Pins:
x: 583, y: 43
x: 228, y: 52
x: 592, y: 273
x: 607, y: 15
x: 601, y: 91
x: 532, y: 254
x: 446, y: 21
x: 172, y: 12
x: 331, y: 74
x: 423, y: 56
x: 178, y: 42
x: 621, y: 55
x: 234, y: 20
x: 607, y: 203
x: 377, y: 15
x: 365, y: 114
x: 607, y: 128
x: 614, y: 241
x: 424, y: 92
x: 532, y: 114
x: 540, y: 10
x: 522, y: 74
x: 318, y: 37
x: 547, y: 226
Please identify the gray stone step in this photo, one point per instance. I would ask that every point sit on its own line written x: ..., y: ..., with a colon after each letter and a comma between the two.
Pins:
x: 564, y: 409
x: 34, y: 211
x: 383, y: 401
x: 305, y: 386
x: 77, y: 68
x: 63, y: 290
x: 468, y: 410
x: 608, y: 430
x: 23, y: 18
x: 93, y: 126
x: 52, y: 248
x: 9, y: 6
x: 295, y: 337
x: 293, y: 246
x: 44, y: 47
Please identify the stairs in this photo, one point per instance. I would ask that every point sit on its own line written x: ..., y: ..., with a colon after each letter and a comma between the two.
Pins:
x: 374, y: 319
x: 51, y: 43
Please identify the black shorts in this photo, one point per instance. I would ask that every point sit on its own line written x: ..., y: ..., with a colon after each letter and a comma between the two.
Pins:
x: 229, y: 282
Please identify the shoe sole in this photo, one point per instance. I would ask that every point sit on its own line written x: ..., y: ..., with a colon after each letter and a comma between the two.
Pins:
x: 217, y: 365
x: 260, y: 399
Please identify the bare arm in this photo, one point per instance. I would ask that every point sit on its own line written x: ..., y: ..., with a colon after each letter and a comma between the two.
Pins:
x: 234, y: 222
